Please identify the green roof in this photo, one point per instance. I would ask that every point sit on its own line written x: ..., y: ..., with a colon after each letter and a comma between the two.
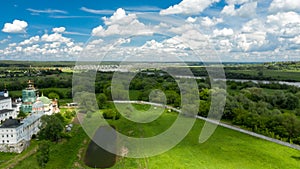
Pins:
x: 44, y: 99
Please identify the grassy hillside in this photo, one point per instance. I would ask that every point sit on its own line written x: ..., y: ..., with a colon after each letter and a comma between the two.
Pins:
x: 226, y: 149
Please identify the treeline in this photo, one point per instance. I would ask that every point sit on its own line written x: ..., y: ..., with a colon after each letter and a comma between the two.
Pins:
x: 62, y: 80
x: 274, y: 114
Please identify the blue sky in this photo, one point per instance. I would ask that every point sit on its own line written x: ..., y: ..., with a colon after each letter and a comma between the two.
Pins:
x: 237, y: 30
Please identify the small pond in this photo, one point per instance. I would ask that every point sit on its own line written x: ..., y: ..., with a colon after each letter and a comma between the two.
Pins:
x: 96, y: 156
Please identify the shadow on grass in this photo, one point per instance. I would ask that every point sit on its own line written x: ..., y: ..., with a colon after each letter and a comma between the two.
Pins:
x: 296, y: 158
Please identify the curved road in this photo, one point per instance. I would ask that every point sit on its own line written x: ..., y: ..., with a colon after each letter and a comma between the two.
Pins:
x: 218, y: 123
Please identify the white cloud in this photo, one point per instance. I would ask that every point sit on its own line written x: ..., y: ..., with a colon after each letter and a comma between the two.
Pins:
x: 229, y: 10
x: 237, y: 2
x: 296, y: 39
x: 55, y: 37
x: 246, y: 10
x: 59, y: 30
x: 253, y: 25
x: 3, y: 41
x: 191, y: 20
x: 119, y: 17
x: 283, y: 19
x: 121, y: 23
x: 37, y: 11
x: 29, y: 41
x: 48, y: 47
x: 251, y: 41
x: 208, y: 22
x: 188, y: 7
x: 94, y: 11
x: 17, y: 26
x: 223, y: 32
x: 284, y: 5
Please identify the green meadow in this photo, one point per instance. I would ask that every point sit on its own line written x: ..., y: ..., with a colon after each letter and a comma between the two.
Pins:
x: 225, y: 149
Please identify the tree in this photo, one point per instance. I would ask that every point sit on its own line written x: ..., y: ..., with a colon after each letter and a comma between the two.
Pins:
x: 291, y: 102
x: 101, y: 99
x: 22, y: 114
x: 53, y: 95
x: 260, y: 73
x: 292, y: 125
x: 51, y: 128
x: 111, y: 114
x: 43, y: 153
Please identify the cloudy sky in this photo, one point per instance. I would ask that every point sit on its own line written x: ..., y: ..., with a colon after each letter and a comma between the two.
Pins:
x: 236, y: 30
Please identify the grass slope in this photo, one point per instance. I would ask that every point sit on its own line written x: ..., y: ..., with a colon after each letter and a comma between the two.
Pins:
x: 226, y: 149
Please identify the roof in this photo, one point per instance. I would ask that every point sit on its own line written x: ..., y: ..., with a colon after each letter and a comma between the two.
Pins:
x: 38, y: 104
x: 5, y: 111
x: 44, y: 99
x: 3, y: 98
x: 11, y: 123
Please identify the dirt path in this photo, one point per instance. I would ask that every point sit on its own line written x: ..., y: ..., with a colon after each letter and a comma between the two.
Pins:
x: 14, y: 161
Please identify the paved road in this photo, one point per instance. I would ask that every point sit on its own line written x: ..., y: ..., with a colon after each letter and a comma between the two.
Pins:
x: 218, y: 123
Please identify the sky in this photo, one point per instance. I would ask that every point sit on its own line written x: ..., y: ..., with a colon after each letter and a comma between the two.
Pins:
x: 233, y: 30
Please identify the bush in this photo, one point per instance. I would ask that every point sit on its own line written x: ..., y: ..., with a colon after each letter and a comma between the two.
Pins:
x: 111, y: 114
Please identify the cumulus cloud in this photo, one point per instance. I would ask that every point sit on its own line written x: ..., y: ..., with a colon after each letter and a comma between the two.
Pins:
x: 55, y: 37
x: 296, y: 39
x: 46, y: 47
x: 188, y: 7
x: 59, y: 30
x: 121, y: 23
x: 31, y: 40
x: 223, y: 32
x: 283, y: 19
x: 209, y: 22
x: 284, y: 5
x: 246, y: 10
x: 17, y: 26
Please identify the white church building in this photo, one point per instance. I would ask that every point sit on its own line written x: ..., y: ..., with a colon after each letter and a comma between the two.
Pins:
x: 15, y: 134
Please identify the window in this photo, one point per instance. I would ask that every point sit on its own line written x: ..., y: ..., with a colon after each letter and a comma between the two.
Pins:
x: 12, y: 135
x: 8, y: 141
x: 2, y: 141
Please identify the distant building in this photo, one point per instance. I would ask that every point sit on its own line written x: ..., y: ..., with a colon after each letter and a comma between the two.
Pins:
x: 29, y: 96
x: 6, y: 109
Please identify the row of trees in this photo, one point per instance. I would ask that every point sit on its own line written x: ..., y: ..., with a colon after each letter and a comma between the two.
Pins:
x: 273, y: 114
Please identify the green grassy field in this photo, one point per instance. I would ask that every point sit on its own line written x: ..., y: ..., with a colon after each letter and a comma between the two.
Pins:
x: 226, y: 149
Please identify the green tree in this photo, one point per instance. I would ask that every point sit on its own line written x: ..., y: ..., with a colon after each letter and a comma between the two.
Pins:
x: 111, y: 114
x: 291, y: 101
x: 102, y: 100
x: 22, y: 114
x: 292, y: 125
x: 43, y: 153
x: 53, y: 95
x: 51, y: 128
